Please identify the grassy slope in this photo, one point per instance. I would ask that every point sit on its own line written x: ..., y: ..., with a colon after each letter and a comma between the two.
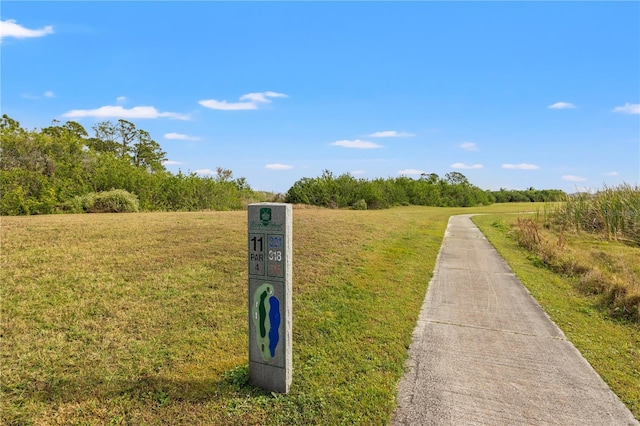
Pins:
x: 141, y: 318
x: 612, y: 347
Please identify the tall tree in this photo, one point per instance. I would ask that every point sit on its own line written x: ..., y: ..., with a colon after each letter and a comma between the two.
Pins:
x: 456, y: 178
x: 148, y: 153
x: 75, y: 128
x: 117, y: 139
x: 105, y: 139
x: 9, y: 124
x: 70, y: 128
x: 432, y: 178
x: 127, y: 132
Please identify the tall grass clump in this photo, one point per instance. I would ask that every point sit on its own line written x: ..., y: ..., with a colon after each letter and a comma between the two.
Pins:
x: 595, y: 239
x: 114, y: 201
x: 613, y: 212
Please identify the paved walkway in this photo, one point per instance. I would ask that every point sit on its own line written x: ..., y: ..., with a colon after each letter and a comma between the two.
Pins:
x: 484, y: 352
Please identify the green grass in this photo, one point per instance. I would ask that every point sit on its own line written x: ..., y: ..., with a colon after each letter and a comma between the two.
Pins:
x: 142, y: 318
x: 612, y: 346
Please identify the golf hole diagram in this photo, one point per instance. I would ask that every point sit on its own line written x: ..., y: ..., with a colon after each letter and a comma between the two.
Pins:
x: 265, y: 312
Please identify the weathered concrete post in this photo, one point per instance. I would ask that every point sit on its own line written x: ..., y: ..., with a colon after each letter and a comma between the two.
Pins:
x: 270, y: 319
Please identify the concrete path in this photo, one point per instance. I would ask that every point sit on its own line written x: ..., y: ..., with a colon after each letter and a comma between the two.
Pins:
x: 484, y: 352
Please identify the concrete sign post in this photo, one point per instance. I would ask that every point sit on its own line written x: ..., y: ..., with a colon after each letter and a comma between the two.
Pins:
x: 270, y: 320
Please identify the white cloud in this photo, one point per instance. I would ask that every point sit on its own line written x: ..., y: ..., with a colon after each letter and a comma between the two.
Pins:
x: 391, y: 134
x: 226, y: 106
x: 410, y: 172
x: 357, y: 172
x: 250, y: 101
x: 181, y: 137
x: 9, y: 28
x: 262, y: 96
x: 110, y: 111
x: 573, y: 178
x: 121, y: 99
x: 611, y: 174
x: 521, y: 166
x: 47, y: 94
x: 277, y: 166
x: 562, y: 105
x: 358, y: 144
x: 469, y: 146
x: 466, y: 166
x: 171, y: 163
x: 628, y: 109
x: 206, y: 172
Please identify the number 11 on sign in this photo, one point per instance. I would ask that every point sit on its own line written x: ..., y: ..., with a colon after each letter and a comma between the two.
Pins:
x: 256, y: 254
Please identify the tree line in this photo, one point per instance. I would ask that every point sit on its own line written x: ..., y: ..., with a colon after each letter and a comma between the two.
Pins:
x: 62, y: 168
x: 452, y: 190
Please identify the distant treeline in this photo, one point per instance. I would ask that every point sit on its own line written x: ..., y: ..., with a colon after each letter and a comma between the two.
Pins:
x: 454, y: 190
x: 61, y: 168
x: 531, y: 194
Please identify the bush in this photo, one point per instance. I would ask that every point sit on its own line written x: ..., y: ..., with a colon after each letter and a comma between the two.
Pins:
x: 114, y: 201
x: 360, y: 205
x: 75, y: 205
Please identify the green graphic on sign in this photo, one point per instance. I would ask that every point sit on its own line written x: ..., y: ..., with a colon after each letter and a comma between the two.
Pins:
x: 266, y: 319
x: 265, y: 216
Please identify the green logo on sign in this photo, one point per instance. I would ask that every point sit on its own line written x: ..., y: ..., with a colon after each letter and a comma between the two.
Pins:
x: 265, y: 216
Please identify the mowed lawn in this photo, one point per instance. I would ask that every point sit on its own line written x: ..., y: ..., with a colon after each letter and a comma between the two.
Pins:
x: 142, y: 318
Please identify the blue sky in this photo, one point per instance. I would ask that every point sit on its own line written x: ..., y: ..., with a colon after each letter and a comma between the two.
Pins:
x: 511, y: 94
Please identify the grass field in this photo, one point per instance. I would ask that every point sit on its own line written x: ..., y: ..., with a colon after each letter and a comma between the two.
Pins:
x: 142, y: 318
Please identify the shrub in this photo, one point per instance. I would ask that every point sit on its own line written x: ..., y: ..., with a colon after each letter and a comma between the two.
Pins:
x: 361, y: 204
x: 114, y: 201
x: 75, y: 205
